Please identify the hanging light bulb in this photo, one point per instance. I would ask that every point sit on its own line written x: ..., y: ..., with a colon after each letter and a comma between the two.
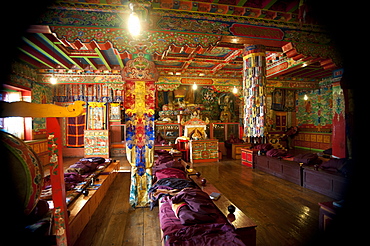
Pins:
x: 133, y: 22
x: 53, y: 80
x: 235, y: 90
x: 305, y: 97
x: 195, y: 86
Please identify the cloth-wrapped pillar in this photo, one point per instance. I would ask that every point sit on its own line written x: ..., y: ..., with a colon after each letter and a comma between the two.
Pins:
x: 140, y: 75
x: 254, y: 81
x: 339, y: 122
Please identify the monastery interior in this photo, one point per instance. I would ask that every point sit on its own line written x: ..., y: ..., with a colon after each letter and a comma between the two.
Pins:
x: 223, y: 73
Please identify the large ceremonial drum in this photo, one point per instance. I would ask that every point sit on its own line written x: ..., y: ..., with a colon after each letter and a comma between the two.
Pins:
x: 22, y: 172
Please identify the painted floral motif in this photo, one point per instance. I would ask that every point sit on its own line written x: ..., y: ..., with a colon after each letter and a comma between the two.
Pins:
x: 158, y: 41
x: 80, y: 18
x: 60, y: 224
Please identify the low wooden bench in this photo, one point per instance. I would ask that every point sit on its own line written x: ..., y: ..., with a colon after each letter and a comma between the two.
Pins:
x: 84, y: 207
x: 244, y: 226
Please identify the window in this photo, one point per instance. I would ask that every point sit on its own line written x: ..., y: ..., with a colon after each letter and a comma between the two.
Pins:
x: 16, y: 125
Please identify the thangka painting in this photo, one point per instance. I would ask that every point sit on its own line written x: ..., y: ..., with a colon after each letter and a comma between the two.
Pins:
x: 114, y: 112
x: 283, y: 100
x: 96, y: 143
x: 96, y: 116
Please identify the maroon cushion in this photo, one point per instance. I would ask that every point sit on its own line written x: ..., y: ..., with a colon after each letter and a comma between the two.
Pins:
x: 275, y: 152
x: 306, y: 158
x: 264, y: 147
x: 163, y: 158
x: 199, y: 208
x: 335, y: 164
x: 170, y: 173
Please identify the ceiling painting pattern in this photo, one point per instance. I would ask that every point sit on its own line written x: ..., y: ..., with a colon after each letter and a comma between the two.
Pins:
x: 158, y: 41
x: 184, y: 39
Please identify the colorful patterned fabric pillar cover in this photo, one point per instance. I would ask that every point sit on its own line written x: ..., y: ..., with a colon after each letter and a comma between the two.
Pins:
x: 254, y: 80
x: 140, y: 76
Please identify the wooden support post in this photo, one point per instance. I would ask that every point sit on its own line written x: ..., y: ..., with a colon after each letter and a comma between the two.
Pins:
x: 51, y: 111
x: 57, y: 181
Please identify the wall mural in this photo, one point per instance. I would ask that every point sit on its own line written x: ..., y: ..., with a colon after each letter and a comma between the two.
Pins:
x: 317, y: 109
x: 24, y: 76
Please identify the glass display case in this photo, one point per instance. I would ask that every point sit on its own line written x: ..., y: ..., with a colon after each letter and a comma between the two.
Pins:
x: 223, y: 131
x: 168, y: 131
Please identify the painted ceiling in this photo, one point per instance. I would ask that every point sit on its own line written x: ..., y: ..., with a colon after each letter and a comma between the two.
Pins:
x: 185, y: 39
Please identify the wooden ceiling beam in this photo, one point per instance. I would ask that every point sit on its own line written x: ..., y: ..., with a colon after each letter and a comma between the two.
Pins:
x: 46, y: 51
x: 103, y: 58
x: 268, y: 3
x: 37, y: 56
x: 292, y: 6
x: 92, y: 63
x: 31, y: 61
x: 226, y: 61
x: 52, y: 40
x: 119, y: 59
x: 241, y: 2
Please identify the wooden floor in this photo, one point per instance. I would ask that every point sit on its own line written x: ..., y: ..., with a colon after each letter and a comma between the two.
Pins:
x: 286, y: 214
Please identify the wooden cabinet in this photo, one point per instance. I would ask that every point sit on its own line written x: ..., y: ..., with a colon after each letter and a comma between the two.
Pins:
x: 168, y: 131
x: 327, y: 214
x: 248, y: 157
x: 203, y: 150
x: 236, y: 150
x: 223, y: 131
x: 41, y: 149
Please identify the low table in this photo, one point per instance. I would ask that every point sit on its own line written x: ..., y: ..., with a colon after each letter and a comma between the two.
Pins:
x: 327, y: 214
x: 244, y: 226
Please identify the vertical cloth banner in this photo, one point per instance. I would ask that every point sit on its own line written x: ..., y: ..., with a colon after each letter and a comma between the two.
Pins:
x: 139, y: 104
x: 75, y: 131
x: 339, y: 122
x: 254, y: 81
x: 140, y: 75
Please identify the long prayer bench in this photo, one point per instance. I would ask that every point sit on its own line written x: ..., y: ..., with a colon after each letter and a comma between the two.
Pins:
x: 84, y: 206
x: 329, y: 183
x: 186, y: 211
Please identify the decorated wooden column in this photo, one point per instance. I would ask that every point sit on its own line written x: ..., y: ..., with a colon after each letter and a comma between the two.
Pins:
x: 254, y: 80
x: 57, y: 181
x: 140, y: 75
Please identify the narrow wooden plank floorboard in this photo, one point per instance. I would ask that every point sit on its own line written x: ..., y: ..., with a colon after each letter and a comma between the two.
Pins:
x: 286, y: 213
